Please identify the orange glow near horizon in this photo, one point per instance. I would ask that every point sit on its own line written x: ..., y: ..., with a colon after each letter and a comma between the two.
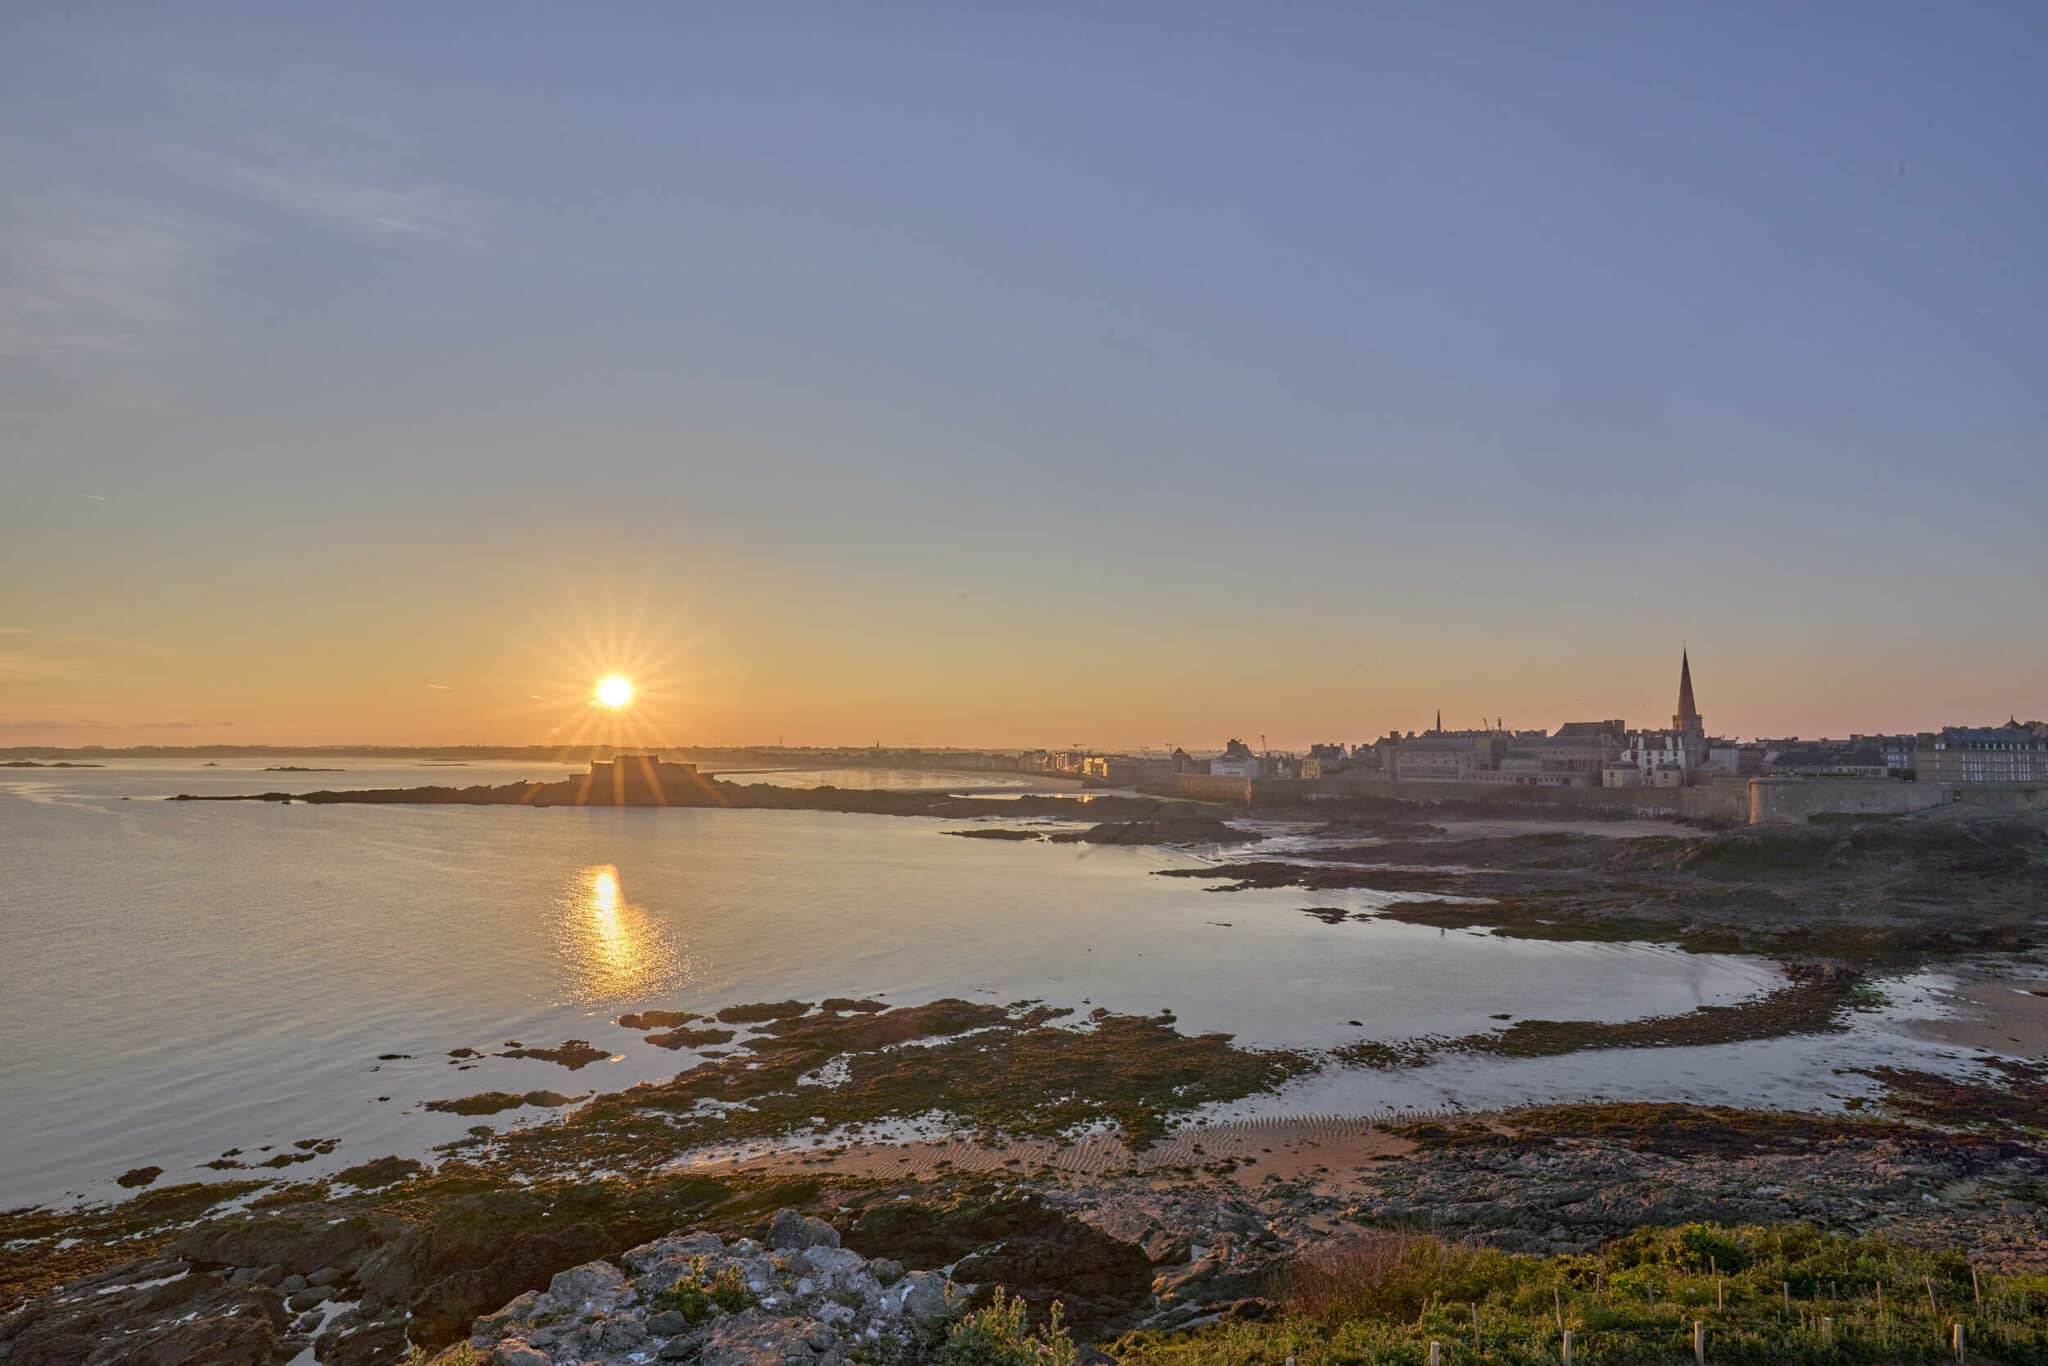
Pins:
x: 780, y: 657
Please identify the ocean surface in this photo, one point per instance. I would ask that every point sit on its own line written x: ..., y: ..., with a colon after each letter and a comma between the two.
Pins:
x: 181, y: 979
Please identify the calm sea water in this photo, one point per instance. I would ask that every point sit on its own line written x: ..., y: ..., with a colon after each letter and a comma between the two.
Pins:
x: 184, y: 978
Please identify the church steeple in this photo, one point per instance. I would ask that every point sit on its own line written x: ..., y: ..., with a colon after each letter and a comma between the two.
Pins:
x: 1688, y: 716
x: 1439, y: 722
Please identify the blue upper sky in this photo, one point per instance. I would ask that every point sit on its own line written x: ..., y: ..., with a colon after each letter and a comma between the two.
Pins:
x: 1331, y: 362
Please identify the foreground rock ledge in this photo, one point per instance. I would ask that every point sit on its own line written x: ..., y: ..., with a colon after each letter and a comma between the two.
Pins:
x: 812, y: 1302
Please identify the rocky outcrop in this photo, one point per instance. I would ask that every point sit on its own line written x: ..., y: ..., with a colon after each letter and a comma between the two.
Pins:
x: 799, y: 1299
x: 159, y: 1313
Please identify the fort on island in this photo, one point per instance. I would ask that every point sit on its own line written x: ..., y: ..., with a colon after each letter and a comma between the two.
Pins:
x: 644, y: 780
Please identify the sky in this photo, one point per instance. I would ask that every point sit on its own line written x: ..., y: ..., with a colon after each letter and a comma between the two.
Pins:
x: 1122, y: 375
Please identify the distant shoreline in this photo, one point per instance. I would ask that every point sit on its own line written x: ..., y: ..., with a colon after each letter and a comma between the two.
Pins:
x: 705, y: 792
x: 723, y: 756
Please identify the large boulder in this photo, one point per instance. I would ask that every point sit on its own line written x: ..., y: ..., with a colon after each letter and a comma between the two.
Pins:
x: 791, y: 1231
x: 925, y: 1296
x: 593, y: 1285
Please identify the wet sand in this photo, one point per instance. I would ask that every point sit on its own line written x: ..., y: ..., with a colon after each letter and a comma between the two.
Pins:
x: 1319, y: 1147
x: 2002, y: 1011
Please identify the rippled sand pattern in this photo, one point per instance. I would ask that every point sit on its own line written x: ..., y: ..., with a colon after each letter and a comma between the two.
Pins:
x: 1286, y: 1147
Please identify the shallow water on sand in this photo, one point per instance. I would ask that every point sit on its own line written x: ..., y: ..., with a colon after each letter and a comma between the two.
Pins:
x: 183, y: 978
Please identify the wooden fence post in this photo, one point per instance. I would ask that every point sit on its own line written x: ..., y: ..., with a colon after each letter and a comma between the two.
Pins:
x: 1719, y: 1301
x: 1827, y: 1330
x: 1699, y: 1342
x: 1959, y: 1342
x: 1567, y: 1347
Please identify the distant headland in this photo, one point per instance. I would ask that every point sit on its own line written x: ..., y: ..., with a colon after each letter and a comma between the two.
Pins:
x: 648, y: 780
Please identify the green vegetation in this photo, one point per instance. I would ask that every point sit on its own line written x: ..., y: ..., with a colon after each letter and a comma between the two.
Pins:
x: 1005, y: 1069
x: 460, y: 1355
x: 694, y: 1297
x: 998, y: 1334
x: 1760, y: 1294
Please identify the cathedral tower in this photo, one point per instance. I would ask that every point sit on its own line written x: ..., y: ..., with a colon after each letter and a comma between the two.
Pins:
x: 1688, y: 717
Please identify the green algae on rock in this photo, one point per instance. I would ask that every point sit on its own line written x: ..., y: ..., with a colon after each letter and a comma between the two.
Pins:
x: 763, y: 1010
x: 491, y: 1102
x: 1814, y: 1002
x: 682, y: 1037
x: 1008, y: 1069
x: 573, y: 1054
x: 658, y: 1019
x: 2005, y: 1095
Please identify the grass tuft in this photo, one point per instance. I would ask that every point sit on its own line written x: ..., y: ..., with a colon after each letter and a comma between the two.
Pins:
x: 1781, y: 1294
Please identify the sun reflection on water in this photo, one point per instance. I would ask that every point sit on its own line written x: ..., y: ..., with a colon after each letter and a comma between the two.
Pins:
x: 611, y: 949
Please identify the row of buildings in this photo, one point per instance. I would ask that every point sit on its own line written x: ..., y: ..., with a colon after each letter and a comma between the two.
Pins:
x: 1606, y: 753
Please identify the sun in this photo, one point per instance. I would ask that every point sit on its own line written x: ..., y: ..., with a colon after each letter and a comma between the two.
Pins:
x: 614, y: 691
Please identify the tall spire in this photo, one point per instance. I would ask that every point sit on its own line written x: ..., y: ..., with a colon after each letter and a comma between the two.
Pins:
x: 1439, y: 721
x: 1688, y: 717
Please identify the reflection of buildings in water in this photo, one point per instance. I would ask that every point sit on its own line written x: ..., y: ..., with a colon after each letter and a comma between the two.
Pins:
x: 611, y: 948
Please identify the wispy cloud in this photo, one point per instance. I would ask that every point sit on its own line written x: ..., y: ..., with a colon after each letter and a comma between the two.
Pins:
x: 95, y: 276
x: 377, y: 204
x: 95, y: 641
x: 115, y: 261
x: 87, y: 725
x: 440, y: 687
x: 28, y: 666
